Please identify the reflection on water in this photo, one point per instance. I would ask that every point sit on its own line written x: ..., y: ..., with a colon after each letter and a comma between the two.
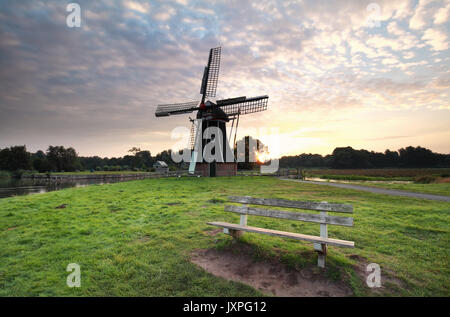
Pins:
x: 13, y: 187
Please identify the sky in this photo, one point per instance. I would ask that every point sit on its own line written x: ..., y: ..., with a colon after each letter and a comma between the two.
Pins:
x: 372, y: 75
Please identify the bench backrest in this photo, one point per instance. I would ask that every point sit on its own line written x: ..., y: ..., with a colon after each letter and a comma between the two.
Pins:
x: 322, y: 218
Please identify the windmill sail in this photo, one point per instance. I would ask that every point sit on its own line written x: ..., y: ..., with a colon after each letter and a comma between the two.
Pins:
x: 197, y: 144
x: 176, y: 108
x: 211, y: 73
x: 243, y: 105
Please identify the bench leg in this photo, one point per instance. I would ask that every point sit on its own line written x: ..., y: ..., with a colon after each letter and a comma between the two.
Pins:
x: 321, y: 256
x: 321, y: 261
x: 322, y: 248
x: 235, y: 233
x: 243, y: 222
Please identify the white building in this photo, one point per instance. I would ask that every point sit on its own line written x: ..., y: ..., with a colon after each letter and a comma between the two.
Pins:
x: 161, y: 167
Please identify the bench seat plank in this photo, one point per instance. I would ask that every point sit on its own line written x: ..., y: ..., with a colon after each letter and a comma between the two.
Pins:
x: 292, y: 204
x: 332, y: 220
x: 297, y: 236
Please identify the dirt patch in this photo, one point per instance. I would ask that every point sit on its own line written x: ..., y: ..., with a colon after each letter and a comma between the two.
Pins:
x: 389, y: 283
x: 271, y: 278
x: 213, y: 232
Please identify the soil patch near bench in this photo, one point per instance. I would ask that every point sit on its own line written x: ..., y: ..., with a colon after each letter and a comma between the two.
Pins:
x: 271, y: 278
x: 390, y: 284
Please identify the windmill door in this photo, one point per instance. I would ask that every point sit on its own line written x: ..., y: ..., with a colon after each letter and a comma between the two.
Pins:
x: 212, y: 169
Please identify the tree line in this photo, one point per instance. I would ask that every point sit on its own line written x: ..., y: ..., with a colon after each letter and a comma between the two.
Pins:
x: 59, y: 158
x: 348, y: 158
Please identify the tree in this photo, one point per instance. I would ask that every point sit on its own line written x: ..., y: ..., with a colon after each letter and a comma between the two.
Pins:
x: 62, y: 159
x: 391, y: 158
x: 417, y: 157
x: 92, y: 162
x: 134, y: 150
x: 40, y: 162
x: 4, y: 159
x: 165, y: 156
x: 144, y: 159
x: 347, y: 157
x: 15, y: 158
x: 342, y: 157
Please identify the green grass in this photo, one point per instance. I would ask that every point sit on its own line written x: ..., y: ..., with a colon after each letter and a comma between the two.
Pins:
x: 134, y: 238
x: 433, y: 188
x: 93, y: 173
x: 378, y: 174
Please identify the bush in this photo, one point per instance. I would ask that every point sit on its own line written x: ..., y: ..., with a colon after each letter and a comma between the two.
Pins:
x: 424, y: 180
x: 30, y: 173
x: 5, y: 174
x: 17, y: 173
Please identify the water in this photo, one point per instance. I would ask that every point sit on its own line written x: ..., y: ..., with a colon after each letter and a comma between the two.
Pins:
x: 13, y: 187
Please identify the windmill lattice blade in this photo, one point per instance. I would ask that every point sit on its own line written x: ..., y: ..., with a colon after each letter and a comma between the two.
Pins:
x: 213, y: 72
x: 243, y: 105
x: 176, y: 108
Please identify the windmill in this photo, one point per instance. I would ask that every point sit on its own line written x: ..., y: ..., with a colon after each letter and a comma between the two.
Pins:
x: 213, y: 113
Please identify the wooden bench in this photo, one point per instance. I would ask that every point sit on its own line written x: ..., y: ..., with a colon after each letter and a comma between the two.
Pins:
x: 320, y: 242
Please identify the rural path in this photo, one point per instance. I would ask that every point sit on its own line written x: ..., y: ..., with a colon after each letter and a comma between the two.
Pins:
x: 376, y: 190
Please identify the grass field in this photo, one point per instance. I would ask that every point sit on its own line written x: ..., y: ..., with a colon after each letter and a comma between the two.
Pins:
x: 384, y: 178
x: 400, y: 174
x: 135, y: 238
x: 436, y: 189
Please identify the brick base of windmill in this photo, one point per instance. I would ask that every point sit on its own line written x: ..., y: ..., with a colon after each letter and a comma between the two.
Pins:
x: 222, y: 169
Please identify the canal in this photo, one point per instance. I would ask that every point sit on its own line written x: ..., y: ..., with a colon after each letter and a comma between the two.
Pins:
x: 14, y: 187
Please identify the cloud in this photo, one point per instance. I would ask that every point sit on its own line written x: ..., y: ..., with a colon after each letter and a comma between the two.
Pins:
x: 137, y: 6
x: 389, y: 137
x: 419, y: 19
x: 182, y: 2
x: 441, y: 15
x: 164, y: 14
x: 103, y: 80
x: 436, y: 39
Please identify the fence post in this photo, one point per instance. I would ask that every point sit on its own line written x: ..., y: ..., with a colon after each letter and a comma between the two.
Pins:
x: 322, y: 248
